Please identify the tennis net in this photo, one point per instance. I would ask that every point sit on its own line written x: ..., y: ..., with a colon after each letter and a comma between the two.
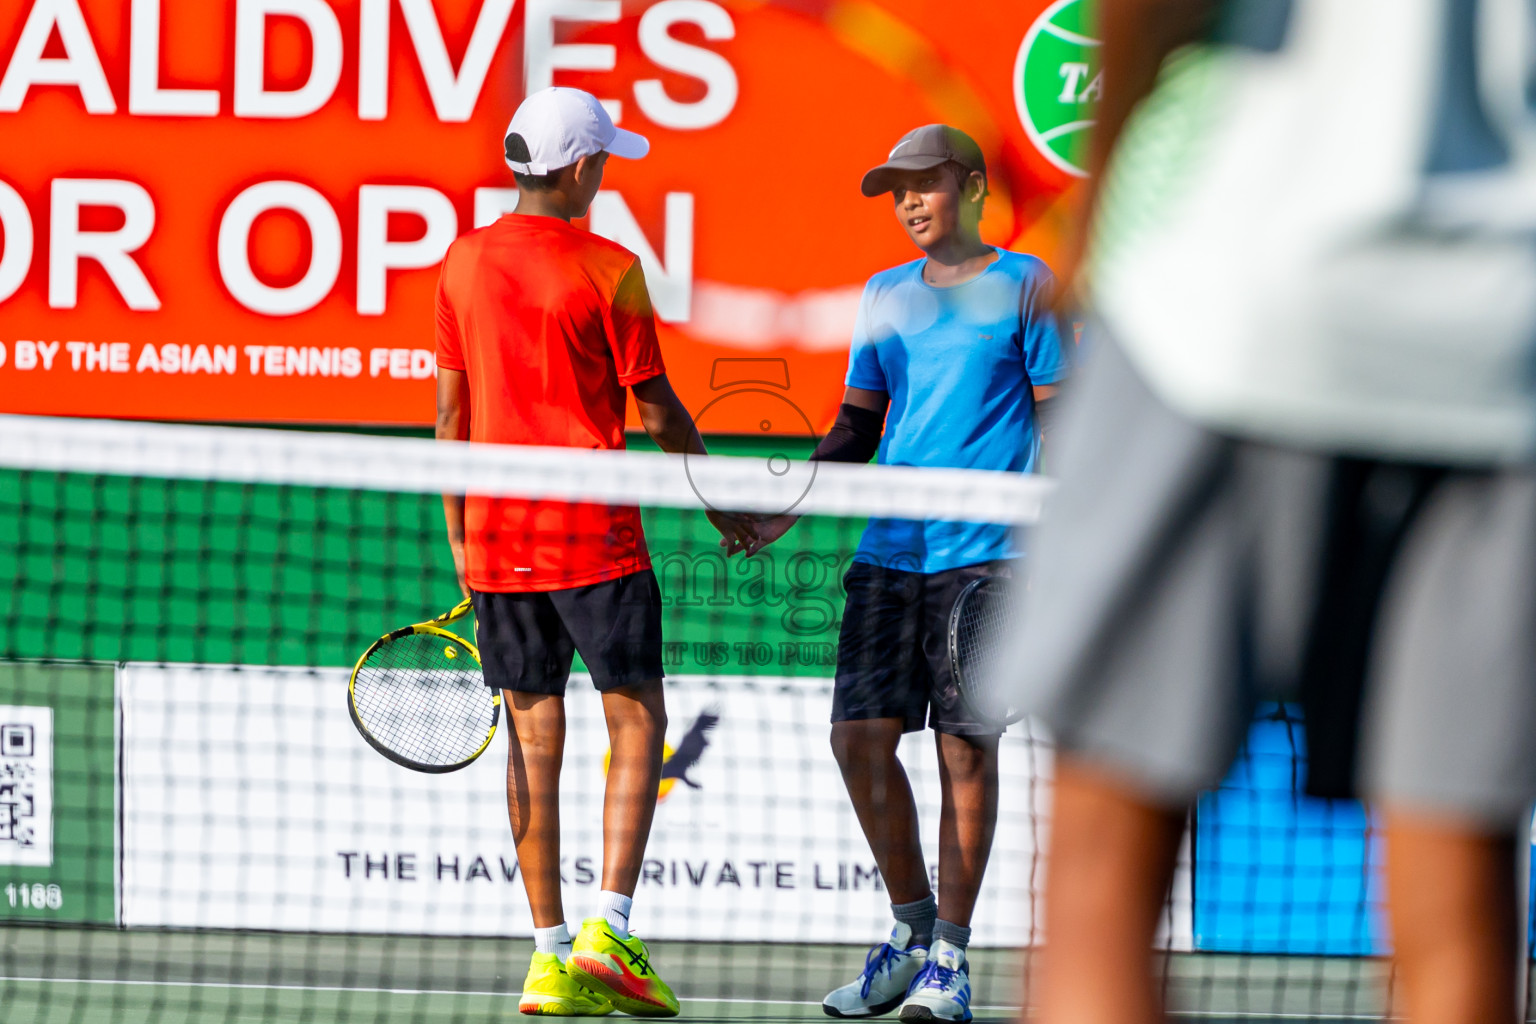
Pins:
x: 192, y: 830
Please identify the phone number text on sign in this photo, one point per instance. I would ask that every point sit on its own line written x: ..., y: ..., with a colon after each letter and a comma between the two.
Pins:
x: 34, y: 897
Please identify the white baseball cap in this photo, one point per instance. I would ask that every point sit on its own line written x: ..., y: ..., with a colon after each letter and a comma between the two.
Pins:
x: 555, y: 127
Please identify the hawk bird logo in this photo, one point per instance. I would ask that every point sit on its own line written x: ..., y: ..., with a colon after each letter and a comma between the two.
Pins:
x: 691, y: 748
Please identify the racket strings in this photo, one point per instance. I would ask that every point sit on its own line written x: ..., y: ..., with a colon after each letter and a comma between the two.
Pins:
x: 981, y: 630
x: 424, y: 698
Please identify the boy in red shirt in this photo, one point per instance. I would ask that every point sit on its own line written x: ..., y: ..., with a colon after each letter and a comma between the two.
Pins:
x: 540, y: 329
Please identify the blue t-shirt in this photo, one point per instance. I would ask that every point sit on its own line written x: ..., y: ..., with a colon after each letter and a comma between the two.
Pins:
x: 957, y: 363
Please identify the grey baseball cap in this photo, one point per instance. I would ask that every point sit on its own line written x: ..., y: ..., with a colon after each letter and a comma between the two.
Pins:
x: 921, y: 149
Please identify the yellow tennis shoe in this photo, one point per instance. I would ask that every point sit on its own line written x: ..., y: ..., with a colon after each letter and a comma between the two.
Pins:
x: 620, y: 970
x: 551, y: 992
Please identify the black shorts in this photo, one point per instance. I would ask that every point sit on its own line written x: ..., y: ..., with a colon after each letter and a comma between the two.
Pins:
x: 526, y: 639
x: 893, y: 651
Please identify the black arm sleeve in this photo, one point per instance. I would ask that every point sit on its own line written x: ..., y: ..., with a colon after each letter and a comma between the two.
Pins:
x: 855, y: 437
x: 1047, y: 417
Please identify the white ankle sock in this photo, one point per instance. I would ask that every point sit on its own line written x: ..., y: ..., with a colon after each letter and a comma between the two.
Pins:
x: 615, y: 907
x: 556, y: 940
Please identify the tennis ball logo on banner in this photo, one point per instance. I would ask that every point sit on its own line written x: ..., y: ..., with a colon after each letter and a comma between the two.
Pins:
x: 1057, y: 83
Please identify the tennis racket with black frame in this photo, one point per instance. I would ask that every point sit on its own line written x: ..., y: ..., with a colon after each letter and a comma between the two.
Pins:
x: 984, y: 616
x: 419, y: 698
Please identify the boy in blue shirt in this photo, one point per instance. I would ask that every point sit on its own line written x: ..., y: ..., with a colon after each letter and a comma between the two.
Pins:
x: 953, y: 356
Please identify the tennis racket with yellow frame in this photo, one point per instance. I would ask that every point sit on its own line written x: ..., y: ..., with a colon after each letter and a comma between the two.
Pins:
x: 419, y: 698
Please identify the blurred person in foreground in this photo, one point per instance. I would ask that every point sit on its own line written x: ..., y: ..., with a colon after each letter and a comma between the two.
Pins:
x: 1298, y: 464
x: 955, y: 356
x: 541, y: 327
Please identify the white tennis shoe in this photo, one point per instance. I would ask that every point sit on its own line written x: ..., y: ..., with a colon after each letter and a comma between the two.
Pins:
x: 942, y: 989
x: 888, y: 973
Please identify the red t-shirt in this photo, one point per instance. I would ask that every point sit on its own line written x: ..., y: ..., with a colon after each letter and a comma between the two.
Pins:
x: 551, y: 324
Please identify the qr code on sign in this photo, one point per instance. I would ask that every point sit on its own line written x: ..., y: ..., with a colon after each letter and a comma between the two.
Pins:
x: 16, y: 741
x: 18, y: 785
x: 26, y: 785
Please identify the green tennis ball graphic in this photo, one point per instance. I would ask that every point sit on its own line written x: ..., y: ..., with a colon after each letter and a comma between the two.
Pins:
x: 1057, y: 83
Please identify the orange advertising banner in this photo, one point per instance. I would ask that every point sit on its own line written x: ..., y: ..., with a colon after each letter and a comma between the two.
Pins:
x: 234, y: 211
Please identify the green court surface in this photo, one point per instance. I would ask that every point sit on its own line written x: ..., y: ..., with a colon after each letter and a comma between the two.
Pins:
x: 104, y: 976
x: 88, y: 976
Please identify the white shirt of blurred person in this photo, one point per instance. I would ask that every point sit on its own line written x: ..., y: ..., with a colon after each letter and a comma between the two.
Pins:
x: 1324, y: 231
x: 1297, y: 464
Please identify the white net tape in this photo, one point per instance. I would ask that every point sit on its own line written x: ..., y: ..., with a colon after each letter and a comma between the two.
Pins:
x: 772, y: 484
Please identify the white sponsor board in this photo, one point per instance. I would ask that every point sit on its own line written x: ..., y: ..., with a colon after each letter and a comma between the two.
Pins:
x: 26, y: 785
x: 250, y: 801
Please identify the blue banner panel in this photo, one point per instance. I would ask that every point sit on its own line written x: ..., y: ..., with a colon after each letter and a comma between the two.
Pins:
x: 1280, y: 872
